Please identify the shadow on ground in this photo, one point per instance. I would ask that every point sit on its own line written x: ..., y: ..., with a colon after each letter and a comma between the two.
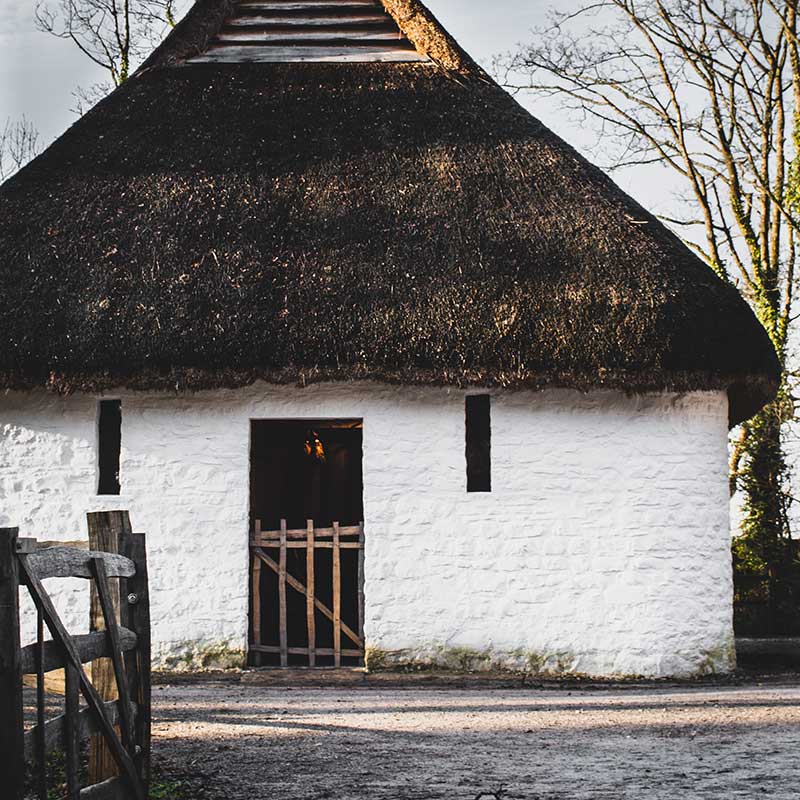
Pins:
x: 268, y: 736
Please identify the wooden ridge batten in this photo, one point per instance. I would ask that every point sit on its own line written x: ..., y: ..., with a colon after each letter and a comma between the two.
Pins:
x: 308, y: 30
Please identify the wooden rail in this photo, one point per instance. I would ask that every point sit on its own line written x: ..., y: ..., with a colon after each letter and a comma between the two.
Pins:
x: 67, y: 562
x: 124, y: 639
x: 89, y: 646
x: 54, y: 729
x: 309, y: 539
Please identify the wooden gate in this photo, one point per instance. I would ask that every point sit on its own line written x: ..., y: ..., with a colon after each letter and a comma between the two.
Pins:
x: 125, y: 641
x: 269, y: 549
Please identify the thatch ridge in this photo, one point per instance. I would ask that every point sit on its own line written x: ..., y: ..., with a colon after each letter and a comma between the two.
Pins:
x: 219, y: 224
x: 430, y: 37
x: 202, y: 22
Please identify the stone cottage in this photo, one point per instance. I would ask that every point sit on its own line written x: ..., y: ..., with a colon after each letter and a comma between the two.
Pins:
x: 309, y: 268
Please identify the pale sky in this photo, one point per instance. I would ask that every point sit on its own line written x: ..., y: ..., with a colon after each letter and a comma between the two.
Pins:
x: 38, y: 73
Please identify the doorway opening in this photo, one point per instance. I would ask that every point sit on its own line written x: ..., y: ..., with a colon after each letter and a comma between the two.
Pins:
x: 306, y: 543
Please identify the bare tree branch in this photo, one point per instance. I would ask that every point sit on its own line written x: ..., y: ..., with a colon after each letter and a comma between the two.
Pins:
x: 709, y: 88
x: 114, y: 34
x: 19, y: 143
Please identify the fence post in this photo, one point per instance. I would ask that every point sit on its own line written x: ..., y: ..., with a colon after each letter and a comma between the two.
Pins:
x: 135, y: 615
x: 106, y: 529
x: 12, y: 750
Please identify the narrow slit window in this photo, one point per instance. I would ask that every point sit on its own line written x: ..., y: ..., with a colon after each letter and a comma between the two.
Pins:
x: 109, y: 441
x: 479, y: 443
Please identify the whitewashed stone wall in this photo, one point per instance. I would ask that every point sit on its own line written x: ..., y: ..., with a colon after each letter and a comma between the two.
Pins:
x: 602, y: 549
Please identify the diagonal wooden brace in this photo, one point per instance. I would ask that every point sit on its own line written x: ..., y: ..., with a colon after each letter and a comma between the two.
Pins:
x: 297, y: 586
x: 117, y: 657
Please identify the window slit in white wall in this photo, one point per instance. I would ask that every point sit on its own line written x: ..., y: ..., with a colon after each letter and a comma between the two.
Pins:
x: 477, y: 413
x: 109, y: 443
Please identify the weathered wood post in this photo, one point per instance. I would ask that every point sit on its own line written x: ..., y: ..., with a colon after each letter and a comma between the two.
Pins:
x: 12, y: 749
x: 106, y: 530
x: 135, y: 615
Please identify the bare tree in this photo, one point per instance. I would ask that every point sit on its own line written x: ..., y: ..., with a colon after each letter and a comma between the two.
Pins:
x: 114, y: 34
x: 19, y: 143
x: 709, y: 89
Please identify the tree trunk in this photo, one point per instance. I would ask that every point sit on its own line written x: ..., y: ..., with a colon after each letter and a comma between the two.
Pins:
x: 760, y: 553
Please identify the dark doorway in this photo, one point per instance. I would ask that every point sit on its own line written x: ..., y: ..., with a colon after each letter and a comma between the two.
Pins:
x: 306, y: 474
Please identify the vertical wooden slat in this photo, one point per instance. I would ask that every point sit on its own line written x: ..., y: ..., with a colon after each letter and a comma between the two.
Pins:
x: 256, y: 609
x: 282, y: 598
x: 135, y: 615
x: 41, y: 753
x: 312, y: 633
x: 12, y: 743
x: 105, y: 530
x: 361, y: 581
x: 337, y: 598
x: 256, y: 598
x: 257, y: 601
x: 72, y: 741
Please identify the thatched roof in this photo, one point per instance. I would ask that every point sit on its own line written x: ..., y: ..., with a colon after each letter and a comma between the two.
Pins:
x: 209, y: 225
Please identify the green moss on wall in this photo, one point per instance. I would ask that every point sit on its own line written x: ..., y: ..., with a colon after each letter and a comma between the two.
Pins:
x: 465, y: 659
x: 198, y: 656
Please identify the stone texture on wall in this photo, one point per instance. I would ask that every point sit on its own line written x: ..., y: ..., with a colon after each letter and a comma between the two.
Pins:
x: 602, y: 549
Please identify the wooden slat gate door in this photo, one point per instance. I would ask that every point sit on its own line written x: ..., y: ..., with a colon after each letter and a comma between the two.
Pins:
x: 125, y: 641
x: 269, y: 549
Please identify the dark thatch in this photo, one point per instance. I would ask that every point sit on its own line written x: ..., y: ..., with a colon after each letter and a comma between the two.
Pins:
x: 210, y: 225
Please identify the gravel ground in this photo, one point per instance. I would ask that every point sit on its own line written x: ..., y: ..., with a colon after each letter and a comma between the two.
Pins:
x: 238, y: 740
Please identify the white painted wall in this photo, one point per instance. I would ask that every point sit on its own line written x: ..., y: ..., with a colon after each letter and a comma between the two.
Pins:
x: 603, y: 547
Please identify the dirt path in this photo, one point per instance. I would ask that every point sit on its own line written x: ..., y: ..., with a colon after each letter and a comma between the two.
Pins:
x: 238, y: 741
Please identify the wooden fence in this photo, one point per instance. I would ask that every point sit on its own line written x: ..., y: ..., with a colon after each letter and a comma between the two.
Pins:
x: 123, y: 724
x: 310, y: 539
